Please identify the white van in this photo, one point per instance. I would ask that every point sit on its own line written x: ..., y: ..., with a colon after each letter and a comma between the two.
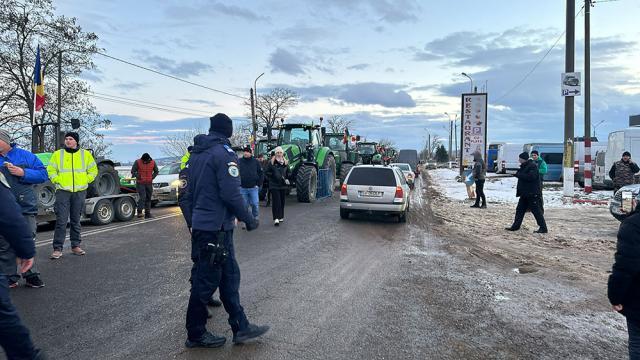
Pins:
x: 508, y: 158
x: 619, y: 142
x: 578, y: 155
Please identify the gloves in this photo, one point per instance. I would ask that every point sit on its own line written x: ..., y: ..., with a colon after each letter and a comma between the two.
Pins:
x: 252, y: 225
x: 286, y: 181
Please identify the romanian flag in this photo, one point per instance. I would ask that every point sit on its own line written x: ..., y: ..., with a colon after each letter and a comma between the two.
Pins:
x: 38, y: 83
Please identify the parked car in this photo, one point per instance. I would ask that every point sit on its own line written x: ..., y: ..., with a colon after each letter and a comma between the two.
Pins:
x: 165, y: 185
x: 409, y: 156
x: 375, y: 189
x: 616, y: 207
x: 408, y: 173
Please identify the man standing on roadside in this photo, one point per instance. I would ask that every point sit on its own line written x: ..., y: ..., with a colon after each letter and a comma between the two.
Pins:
x: 14, y: 336
x: 624, y: 281
x: 71, y: 170
x: 185, y: 158
x: 23, y: 170
x: 251, y: 178
x: 542, y: 170
x: 528, y: 190
x: 144, y: 170
x: 622, y: 172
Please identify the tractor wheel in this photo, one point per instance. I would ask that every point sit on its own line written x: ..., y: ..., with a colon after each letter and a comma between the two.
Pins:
x: 103, y: 213
x: 106, y: 183
x: 125, y: 208
x: 46, y: 194
x: 344, y: 171
x: 306, y: 183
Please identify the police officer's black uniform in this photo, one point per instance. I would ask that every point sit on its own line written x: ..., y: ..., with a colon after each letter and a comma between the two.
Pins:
x: 215, y: 202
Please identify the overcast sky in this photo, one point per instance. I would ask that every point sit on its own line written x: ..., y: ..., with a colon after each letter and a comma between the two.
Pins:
x: 391, y: 66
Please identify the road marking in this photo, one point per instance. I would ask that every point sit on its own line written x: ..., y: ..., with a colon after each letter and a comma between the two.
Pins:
x: 111, y: 228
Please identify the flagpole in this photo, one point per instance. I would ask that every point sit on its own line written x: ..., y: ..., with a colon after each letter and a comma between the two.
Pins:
x: 34, y: 143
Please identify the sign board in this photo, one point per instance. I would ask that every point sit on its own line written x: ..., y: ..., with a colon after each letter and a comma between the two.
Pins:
x: 570, y: 84
x: 473, y: 127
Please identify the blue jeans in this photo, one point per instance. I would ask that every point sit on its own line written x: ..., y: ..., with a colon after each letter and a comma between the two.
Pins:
x: 206, y: 278
x: 250, y: 196
x: 14, y: 337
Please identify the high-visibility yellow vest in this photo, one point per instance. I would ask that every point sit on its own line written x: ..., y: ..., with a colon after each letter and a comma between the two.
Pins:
x: 185, y: 159
x: 72, y: 172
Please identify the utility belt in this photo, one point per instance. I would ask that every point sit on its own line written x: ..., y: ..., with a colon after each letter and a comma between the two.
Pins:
x: 214, y: 251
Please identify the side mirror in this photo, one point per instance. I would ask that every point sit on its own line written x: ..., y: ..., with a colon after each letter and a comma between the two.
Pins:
x: 264, y: 131
x: 357, y: 137
x: 323, y: 131
x: 75, y: 124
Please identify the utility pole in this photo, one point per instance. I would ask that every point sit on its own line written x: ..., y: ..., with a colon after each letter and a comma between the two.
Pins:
x: 567, y: 171
x: 429, y: 147
x: 254, y: 123
x: 587, y: 96
x: 59, y: 122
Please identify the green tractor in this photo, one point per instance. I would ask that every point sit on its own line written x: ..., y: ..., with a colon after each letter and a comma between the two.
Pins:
x: 302, y: 146
x: 345, y: 155
x: 264, y: 147
x: 368, y: 152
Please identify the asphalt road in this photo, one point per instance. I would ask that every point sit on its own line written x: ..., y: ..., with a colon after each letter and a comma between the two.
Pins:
x: 366, y: 288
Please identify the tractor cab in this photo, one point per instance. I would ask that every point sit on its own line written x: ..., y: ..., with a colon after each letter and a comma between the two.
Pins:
x: 305, y: 137
x: 368, y: 152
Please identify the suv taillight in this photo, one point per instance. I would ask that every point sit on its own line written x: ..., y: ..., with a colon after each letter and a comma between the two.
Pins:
x: 399, y: 192
x: 343, y: 189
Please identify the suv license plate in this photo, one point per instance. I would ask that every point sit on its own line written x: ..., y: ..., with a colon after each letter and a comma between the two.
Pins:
x: 372, y: 193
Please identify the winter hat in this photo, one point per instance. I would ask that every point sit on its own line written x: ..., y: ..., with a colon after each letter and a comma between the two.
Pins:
x: 535, y: 152
x: 221, y: 124
x: 190, y: 148
x: 524, y: 156
x: 73, y: 135
x: 146, y: 157
x: 626, y: 153
x: 247, y: 148
x: 5, y: 137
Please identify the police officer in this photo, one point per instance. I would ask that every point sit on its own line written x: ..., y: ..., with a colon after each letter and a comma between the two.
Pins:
x: 215, y: 201
x: 14, y: 336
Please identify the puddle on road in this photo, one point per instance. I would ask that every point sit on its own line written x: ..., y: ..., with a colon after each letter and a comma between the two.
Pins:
x: 525, y: 269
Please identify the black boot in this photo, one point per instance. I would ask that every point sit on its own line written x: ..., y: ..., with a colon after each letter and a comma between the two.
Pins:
x: 541, y: 231
x: 208, y: 340
x: 251, y: 332
x: 475, y: 206
x: 214, y: 303
x: 512, y: 229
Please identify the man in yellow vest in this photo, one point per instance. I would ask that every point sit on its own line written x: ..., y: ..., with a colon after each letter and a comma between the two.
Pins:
x: 71, y: 169
x: 185, y: 158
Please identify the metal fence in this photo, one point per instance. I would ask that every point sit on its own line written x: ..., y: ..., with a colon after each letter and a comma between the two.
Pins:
x: 325, y: 184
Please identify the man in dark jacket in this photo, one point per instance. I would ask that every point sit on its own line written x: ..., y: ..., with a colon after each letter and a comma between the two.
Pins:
x: 23, y: 170
x: 542, y: 170
x: 14, y: 336
x: 215, y: 202
x: 479, y: 174
x: 624, y: 281
x: 529, y: 192
x: 251, y: 178
x: 144, y: 170
x: 623, y: 171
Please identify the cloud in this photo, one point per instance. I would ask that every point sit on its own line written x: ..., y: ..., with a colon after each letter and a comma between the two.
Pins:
x: 284, y: 61
x: 205, y: 9
x: 200, y: 102
x: 127, y: 86
x: 388, y: 11
x: 94, y: 76
x: 304, y: 33
x: 173, y: 67
x: 359, y: 67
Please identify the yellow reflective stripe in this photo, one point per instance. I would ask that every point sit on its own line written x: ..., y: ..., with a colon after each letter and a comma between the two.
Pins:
x: 61, y: 160
x: 82, y: 160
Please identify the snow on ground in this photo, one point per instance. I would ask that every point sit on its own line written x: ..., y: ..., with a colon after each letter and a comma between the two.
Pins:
x: 502, y: 189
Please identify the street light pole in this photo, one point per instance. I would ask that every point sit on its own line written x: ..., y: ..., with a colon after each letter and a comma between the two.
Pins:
x: 596, y: 126
x: 254, y: 101
x: 587, y: 96
x: 470, y: 79
x: 567, y: 171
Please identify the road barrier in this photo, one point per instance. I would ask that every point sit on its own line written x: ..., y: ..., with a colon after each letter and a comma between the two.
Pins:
x: 325, y: 184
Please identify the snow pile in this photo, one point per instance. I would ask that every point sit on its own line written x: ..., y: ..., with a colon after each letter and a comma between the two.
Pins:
x: 502, y: 189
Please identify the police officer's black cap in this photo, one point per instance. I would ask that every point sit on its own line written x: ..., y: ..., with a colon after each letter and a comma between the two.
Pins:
x: 247, y: 148
x: 221, y: 124
x: 524, y: 156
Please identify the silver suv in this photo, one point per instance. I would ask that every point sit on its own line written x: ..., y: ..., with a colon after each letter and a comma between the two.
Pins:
x: 375, y: 189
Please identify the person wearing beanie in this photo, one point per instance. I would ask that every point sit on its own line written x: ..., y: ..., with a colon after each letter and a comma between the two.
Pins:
x: 542, y: 170
x: 278, y: 175
x: 479, y: 174
x: 251, y: 178
x: 623, y: 171
x: 528, y: 190
x: 144, y: 170
x: 185, y: 157
x: 71, y: 170
x: 23, y: 171
x: 214, y: 202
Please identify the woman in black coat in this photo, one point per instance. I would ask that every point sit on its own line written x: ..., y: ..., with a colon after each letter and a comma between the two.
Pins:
x: 278, y: 173
x: 624, y: 281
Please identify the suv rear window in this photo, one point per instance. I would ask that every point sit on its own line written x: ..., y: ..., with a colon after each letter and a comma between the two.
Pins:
x: 372, y: 177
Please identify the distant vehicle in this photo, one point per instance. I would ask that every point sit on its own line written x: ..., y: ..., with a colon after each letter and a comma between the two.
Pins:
x: 409, y: 175
x: 165, y: 185
x: 409, y: 156
x: 492, y: 156
x: 600, y: 172
x: 571, y: 81
x: 126, y: 179
x: 508, y: 158
x: 375, y: 189
x: 616, y: 205
x: 578, y: 155
x: 552, y: 154
x: 619, y: 142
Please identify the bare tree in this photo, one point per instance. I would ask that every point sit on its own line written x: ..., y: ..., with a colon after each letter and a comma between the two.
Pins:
x: 23, y: 25
x: 176, y: 145
x: 241, y: 135
x: 337, y: 124
x: 273, y: 106
x: 387, y: 143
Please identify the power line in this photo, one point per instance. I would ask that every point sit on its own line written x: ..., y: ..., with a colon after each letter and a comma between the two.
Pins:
x: 150, y: 107
x: 536, y: 65
x: 145, y: 102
